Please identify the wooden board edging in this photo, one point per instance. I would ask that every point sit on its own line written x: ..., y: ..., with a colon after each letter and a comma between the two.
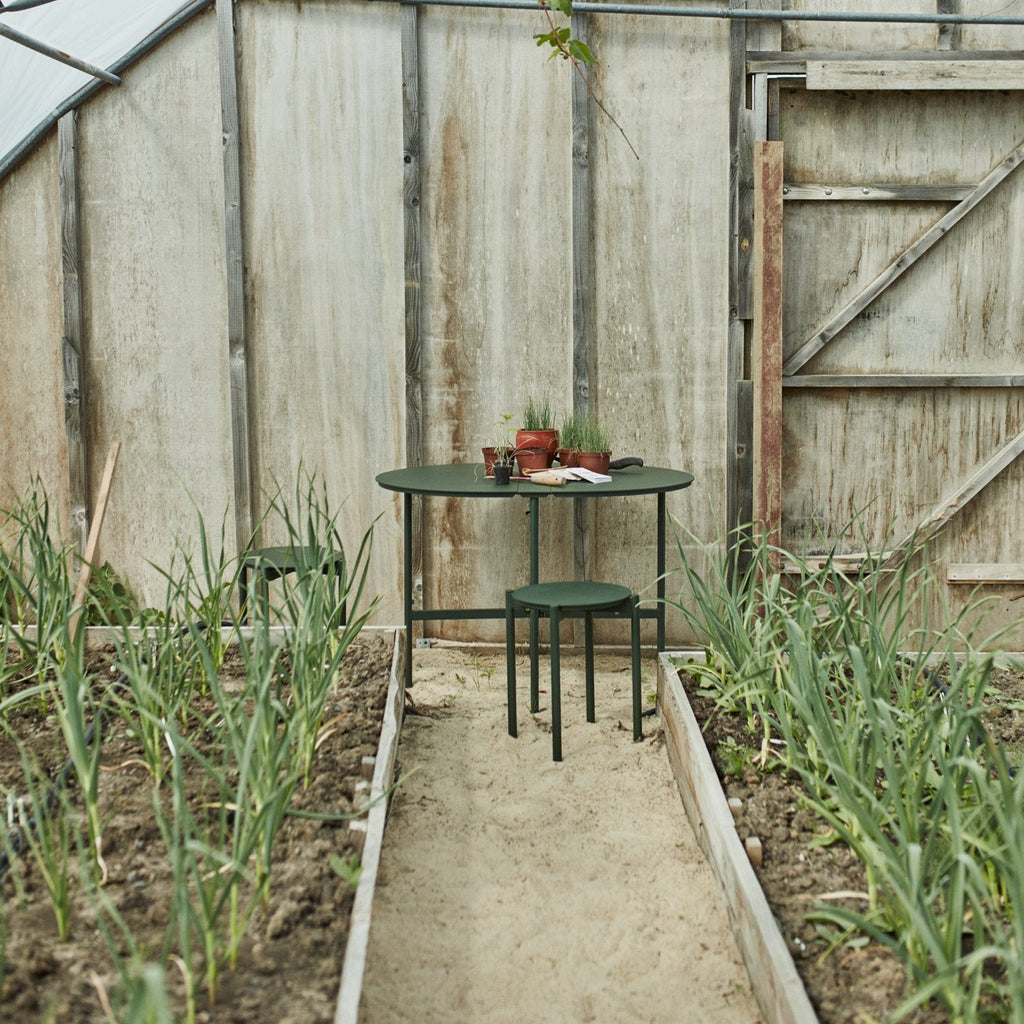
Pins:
x: 773, y: 977
x: 350, y: 988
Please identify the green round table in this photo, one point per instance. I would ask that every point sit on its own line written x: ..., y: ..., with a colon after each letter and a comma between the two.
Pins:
x: 468, y: 480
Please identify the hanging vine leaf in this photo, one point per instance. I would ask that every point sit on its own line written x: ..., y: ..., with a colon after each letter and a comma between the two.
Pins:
x: 564, y: 45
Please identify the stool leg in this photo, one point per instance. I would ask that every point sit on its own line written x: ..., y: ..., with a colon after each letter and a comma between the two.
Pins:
x: 638, y: 729
x: 263, y: 593
x: 243, y: 594
x: 556, y: 689
x: 510, y: 662
x: 534, y: 671
x: 588, y: 656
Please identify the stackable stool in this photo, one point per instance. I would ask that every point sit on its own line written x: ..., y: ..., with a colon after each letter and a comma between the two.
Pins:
x: 569, y: 600
x: 268, y: 564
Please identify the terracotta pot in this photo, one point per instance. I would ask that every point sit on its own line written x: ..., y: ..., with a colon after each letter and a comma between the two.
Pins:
x: 596, y: 461
x: 546, y: 439
x: 533, y: 458
x: 568, y: 457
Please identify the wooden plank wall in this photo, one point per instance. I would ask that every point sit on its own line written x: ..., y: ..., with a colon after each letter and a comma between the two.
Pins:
x: 339, y: 379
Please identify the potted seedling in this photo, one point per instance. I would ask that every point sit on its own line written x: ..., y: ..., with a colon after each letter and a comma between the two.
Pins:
x: 500, y: 456
x: 537, y: 439
x: 594, y: 446
x: 569, y: 440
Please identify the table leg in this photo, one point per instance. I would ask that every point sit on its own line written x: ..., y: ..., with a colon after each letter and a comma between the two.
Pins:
x: 407, y: 586
x: 661, y: 572
x: 534, y: 616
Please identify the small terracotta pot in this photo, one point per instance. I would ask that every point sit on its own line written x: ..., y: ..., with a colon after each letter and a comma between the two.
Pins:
x: 568, y: 457
x: 596, y: 461
x: 546, y: 439
x: 532, y: 458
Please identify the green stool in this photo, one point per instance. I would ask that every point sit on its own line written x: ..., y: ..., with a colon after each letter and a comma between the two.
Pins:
x: 271, y: 563
x: 569, y: 600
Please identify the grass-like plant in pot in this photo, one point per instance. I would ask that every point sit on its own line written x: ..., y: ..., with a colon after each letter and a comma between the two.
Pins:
x: 569, y: 440
x: 537, y: 434
x: 501, y: 454
x: 595, y: 446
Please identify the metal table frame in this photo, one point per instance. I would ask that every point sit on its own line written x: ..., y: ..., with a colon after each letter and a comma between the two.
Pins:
x: 469, y: 481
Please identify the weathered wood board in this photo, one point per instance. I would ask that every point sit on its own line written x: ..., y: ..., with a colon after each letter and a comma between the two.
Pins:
x: 152, y: 242
x: 32, y: 437
x: 496, y: 285
x: 660, y: 290
x: 320, y: 111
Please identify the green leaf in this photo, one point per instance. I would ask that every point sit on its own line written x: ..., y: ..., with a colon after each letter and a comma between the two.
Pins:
x: 581, y: 52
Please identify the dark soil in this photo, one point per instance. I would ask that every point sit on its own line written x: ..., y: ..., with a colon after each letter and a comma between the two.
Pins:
x: 291, y: 959
x: 859, y: 981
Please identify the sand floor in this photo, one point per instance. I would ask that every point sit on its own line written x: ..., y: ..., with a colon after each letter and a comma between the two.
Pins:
x: 513, y: 888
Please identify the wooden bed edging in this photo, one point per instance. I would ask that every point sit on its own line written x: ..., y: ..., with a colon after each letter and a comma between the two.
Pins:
x: 350, y: 988
x: 773, y: 976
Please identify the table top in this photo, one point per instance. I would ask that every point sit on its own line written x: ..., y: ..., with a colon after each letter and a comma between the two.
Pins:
x: 468, y: 480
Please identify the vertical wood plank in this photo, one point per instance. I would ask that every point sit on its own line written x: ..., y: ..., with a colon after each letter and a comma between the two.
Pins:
x: 237, y: 355
x: 72, y: 343
x: 582, y: 286
x: 949, y: 35
x: 766, y: 353
x: 413, y: 277
x: 740, y: 231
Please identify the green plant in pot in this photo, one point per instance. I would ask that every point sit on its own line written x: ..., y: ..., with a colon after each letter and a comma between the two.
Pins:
x: 595, y: 446
x: 537, y: 438
x: 500, y: 457
x: 569, y: 440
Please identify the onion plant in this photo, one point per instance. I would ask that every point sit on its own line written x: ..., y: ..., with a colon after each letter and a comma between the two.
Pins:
x: 44, y: 821
x: 879, y: 712
x: 35, y: 584
x: 322, y: 609
x: 258, y: 741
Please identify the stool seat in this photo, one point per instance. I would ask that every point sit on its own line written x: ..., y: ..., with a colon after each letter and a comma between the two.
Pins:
x: 574, y: 598
x: 271, y: 563
x: 577, y: 595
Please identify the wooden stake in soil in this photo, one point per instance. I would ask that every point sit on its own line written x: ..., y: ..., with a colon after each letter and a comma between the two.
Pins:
x: 94, y: 537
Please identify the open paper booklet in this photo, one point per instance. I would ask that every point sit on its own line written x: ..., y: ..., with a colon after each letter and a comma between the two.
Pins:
x: 577, y: 473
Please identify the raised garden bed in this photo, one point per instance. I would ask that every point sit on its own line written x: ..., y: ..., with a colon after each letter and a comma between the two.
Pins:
x: 766, y: 852
x: 292, y: 952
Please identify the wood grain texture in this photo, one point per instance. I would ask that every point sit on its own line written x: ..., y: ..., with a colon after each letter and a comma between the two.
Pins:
x: 916, y: 74
x: 321, y: 98
x: 152, y: 222
x: 33, y: 438
x: 73, y: 340
x: 234, y: 272
x: 661, y: 285
x: 766, y: 346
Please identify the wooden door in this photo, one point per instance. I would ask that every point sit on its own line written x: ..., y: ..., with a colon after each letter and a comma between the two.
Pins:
x: 902, y: 370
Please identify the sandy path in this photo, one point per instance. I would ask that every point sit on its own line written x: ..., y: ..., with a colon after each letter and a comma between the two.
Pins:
x: 512, y: 888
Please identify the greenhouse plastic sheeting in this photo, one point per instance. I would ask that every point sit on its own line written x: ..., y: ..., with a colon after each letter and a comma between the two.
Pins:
x: 97, y: 31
